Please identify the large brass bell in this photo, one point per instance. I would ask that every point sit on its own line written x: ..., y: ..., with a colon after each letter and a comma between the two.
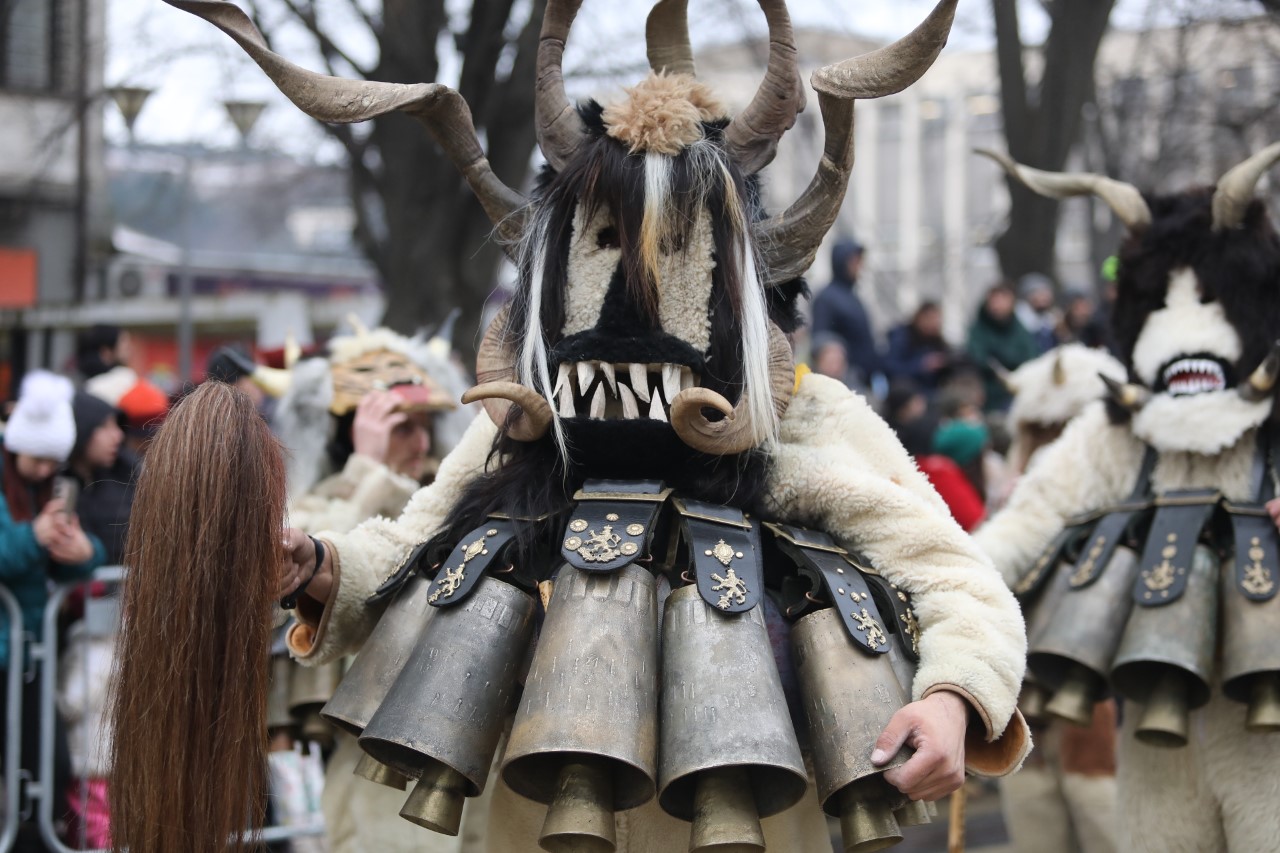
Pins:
x: 585, y: 738
x: 309, y: 688
x: 381, y: 658
x: 1034, y: 698
x: 849, y: 697
x: 441, y: 721
x: 1073, y: 652
x: 1165, y: 660
x: 727, y: 754
x: 1250, y: 658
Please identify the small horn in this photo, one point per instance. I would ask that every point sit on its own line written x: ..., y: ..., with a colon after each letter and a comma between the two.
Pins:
x: 559, y: 127
x: 1235, y: 189
x: 1128, y: 394
x: 1059, y: 370
x: 790, y: 240
x: 272, y: 380
x: 1124, y: 199
x: 735, y: 433
x: 441, y: 342
x: 752, y: 137
x: 292, y: 352
x: 666, y: 36
x: 1263, y: 379
x: 357, y: 325
x: 535, y: 413
x: 1004, y: 375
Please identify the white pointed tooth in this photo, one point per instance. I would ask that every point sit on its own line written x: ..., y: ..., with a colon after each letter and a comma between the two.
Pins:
x: 630, y: 410
x: 597, y: 402
x: 639, y: 380
x: 656, y: 411
x: 561, y: 377
x: 586, y: 372
x: 686, y: 379
x: 566, y: 401
x: 607, y: 369
x: 670, y: 381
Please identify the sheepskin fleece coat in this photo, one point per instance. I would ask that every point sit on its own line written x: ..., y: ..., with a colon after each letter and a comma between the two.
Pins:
x: 837, y: 466
x: 1209, y: 795
x: 363, y: 489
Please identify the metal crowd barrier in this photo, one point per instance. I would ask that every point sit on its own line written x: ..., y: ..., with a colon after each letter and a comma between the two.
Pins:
x: 103, y: 616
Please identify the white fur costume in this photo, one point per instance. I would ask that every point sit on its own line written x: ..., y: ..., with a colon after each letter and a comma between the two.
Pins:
x: 837, y: 466
x: 1218, y: 792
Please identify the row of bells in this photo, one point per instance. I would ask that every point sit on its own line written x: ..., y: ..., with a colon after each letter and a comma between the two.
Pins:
x: 619, y: 706
x: 1083, y: 643
x: 295, y: 697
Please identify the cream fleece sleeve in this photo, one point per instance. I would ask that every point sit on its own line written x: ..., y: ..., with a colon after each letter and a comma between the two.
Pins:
x: 1092, y: 464
x: 840, y: 468
x: 364, y: 557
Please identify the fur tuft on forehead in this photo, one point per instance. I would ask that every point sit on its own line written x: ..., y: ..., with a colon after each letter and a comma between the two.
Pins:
x: 663, y: 114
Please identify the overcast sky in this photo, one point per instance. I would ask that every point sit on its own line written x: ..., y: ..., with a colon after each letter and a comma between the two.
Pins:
x: 192, y: 67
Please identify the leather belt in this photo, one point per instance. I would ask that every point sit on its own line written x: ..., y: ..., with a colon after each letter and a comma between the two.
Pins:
x: 1179, y: 520
x: 612, y: 524
x: 724, y: 549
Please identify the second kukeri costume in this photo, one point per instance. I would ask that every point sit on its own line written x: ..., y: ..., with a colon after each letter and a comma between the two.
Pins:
x: 646, y: 452
x: 1143, y: 527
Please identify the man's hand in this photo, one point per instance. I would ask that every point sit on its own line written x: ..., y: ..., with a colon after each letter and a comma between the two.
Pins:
x: 375, y: 418
x: 935, y: 728
x: 300, y: 563
x: 1273, y: 507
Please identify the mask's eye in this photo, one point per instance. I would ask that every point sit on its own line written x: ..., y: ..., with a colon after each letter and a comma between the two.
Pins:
x: 607, y: 238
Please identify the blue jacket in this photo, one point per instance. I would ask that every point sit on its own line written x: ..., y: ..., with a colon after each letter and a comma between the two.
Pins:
x: 838, y: 309
x: 26, y: 570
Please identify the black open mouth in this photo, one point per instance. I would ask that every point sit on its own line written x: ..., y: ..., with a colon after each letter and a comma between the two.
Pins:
x: 1188, y: 375
x: 605, y: 390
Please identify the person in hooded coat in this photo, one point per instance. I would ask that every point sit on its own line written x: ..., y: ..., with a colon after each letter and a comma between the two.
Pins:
x: 838, y: 310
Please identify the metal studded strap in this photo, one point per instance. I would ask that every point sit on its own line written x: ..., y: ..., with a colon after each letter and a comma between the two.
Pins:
x: 846, y: 588
x: 477, y: 551
x: 1110, y: 531
x: 1254, y: 534
x: 1166, y: 560
x: 724, y: 550
x: 612, y: 524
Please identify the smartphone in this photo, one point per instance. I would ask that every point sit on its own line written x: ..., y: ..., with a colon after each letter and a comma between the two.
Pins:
x: 68, y: 489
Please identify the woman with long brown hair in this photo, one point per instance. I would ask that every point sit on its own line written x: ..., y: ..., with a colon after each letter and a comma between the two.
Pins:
x: 188, y: 768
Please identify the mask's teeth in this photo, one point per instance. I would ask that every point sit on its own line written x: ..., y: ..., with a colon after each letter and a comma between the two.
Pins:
x: 630, y: 411
x: 607, y: 369
x: 686, y: 379
x: 655, y: 409
x: 561, y: 378
x: 566, y: 401
x: 586, y: 372
x: 639, y: 380
x: 597, y: 402
x: 670, y: 381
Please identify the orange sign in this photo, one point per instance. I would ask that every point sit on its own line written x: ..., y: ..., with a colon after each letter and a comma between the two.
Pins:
x: 17, y: 278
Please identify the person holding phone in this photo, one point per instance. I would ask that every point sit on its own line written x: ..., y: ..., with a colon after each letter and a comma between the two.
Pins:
x: 40, y: 539
x: 104, y: 470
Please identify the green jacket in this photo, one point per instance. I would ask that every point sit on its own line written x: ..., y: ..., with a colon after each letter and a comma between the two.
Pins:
x: 1007, y: 343
x: 26, y: 570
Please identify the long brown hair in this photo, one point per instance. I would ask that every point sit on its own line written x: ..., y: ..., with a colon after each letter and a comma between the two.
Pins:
x: 188, y: 769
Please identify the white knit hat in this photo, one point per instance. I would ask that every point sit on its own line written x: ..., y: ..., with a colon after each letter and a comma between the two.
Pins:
x: 42, y: 424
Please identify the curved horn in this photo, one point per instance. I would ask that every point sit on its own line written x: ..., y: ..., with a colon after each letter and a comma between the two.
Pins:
x: 666, y: 37
x: 1123, y: 199
x: 1262, y: 382
x: 560, y: 128
x: 331, y: 99
x: 790, y: 240
x: 1235, y: 189
x: 1127, y: 394
x: 734, y: 433
x: 1004, y: 375
x: 273, y: 381
x: 292, y: 350
x: 752, y: 137
x: 497, y: 388
x: 535, y: 414
x: 1059, y: 370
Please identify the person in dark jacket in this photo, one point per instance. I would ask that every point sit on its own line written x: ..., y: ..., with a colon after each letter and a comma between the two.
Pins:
x: 917, y: 350
x: 106, y: 470
x: 838, y: 310
x: 997, y: 338
x: 40, y: 541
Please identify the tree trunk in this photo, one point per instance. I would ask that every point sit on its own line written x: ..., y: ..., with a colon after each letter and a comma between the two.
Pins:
x: 1042, y: 121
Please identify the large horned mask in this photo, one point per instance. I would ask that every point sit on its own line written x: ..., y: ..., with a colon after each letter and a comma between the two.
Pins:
x: 1197, y: 314
x: 653, y: 288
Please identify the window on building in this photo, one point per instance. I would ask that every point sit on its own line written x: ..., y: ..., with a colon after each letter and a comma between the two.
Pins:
x: 38, y: 51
